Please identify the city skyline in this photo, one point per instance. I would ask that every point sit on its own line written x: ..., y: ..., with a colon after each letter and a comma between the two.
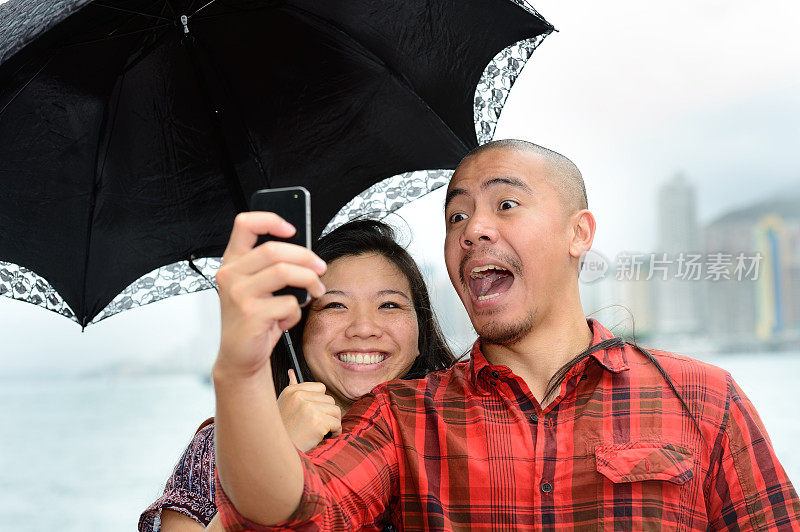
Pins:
x: 732, y: 283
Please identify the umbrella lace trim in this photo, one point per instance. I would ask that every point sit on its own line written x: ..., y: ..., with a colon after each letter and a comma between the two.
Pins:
x: 170, y: 280
x: 382, y: 199
x: 23, y: 284
x: 20, y: 283
x: 497, y: 79
x: 495, y: 85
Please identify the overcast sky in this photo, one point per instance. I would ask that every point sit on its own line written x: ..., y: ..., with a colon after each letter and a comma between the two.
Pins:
x: 632, y: 93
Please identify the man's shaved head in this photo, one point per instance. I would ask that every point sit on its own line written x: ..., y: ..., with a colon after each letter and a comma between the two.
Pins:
x: 563, y: 173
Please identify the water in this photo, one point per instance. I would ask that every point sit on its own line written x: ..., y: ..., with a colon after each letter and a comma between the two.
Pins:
x: 90, y: 454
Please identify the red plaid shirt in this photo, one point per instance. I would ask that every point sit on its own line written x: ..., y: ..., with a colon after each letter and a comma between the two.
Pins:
x: 470, y: 448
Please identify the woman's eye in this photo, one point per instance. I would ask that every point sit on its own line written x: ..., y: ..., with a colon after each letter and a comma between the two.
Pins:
x: 457, y: 217
x: 507, y: 204
x: 334, y: 304
x: 389, y: 304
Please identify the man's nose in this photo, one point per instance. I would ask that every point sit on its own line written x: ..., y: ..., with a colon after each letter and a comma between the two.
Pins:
x: 363, y: 325
x: 479, y: 229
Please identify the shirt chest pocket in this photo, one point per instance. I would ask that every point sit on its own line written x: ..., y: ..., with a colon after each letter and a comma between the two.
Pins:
x: 642, y: 485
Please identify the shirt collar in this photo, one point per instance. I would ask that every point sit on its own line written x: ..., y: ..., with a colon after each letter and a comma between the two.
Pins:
x: 477, y: 362
x: 612, y: 359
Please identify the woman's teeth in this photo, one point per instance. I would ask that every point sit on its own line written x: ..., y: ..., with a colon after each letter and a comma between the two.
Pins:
x: 360, y: 358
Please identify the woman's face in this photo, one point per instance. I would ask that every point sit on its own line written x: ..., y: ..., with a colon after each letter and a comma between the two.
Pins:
x: 364, y: 330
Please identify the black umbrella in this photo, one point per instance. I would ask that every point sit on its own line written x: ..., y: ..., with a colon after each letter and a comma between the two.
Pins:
x: 133, y: 131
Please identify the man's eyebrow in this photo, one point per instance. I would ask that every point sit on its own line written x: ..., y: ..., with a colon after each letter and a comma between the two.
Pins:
x: 507, y: 180
x: 504, y: 180
x: 452, y: 193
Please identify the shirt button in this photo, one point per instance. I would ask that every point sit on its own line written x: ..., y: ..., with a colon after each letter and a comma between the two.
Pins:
x: 495, y: 375
x: 547, y: 487
x: 533, y: 418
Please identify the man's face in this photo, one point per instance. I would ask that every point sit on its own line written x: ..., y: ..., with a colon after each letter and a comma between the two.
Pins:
x: 507, y: 242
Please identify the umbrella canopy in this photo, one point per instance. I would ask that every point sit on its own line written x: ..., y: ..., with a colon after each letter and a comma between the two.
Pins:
x: 133, y: 131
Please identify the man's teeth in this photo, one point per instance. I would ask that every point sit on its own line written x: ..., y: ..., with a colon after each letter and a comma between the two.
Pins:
x: 477, y: 271
x: 484, y: 298
x: 360, y: 358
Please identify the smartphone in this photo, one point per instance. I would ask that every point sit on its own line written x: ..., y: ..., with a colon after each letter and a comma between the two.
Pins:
x: 293, y: 204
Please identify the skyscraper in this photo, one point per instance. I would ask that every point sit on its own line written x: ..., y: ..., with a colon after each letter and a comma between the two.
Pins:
x: 676, y: 304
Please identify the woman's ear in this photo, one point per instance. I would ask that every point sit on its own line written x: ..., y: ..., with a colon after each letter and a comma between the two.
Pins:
x: 583, y: 227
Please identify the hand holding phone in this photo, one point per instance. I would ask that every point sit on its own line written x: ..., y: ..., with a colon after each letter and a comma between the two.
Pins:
x: 252, y: 322
x: 293, y: 204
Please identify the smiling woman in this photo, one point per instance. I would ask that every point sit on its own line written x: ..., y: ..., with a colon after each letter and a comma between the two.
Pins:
x: 364, y: 330
x: 381, y: 271
x: 372, y: 324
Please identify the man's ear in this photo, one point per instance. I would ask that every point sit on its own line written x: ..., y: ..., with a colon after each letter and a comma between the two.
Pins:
x: 583, y: 226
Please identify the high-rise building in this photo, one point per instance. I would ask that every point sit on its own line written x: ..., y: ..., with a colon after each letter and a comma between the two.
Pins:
x: 676, y: 298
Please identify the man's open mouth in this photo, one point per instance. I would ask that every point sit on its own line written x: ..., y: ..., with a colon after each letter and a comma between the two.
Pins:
x: 487, y: 282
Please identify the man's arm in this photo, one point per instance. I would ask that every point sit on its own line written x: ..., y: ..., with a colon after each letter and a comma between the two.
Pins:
x: 349, y: 481
x: 257, y: 464
x: 750, y: 490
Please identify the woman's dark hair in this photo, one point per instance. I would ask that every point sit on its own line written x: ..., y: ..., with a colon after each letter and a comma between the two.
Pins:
x: 361, y: 237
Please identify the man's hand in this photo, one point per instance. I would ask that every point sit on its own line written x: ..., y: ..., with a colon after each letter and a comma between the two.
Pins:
x: 308, y: 413
x: 252, y: 317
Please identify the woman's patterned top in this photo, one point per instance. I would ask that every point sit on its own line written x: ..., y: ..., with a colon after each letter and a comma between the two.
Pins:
x: 190, y: 488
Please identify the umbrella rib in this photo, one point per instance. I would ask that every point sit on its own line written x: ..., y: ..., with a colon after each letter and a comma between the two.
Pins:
x: 202, y: 8
x: 103, y: 143
x: 25, y: 86
x: 168, y: 4
x: 131, y: 11
x: 118, y: 35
